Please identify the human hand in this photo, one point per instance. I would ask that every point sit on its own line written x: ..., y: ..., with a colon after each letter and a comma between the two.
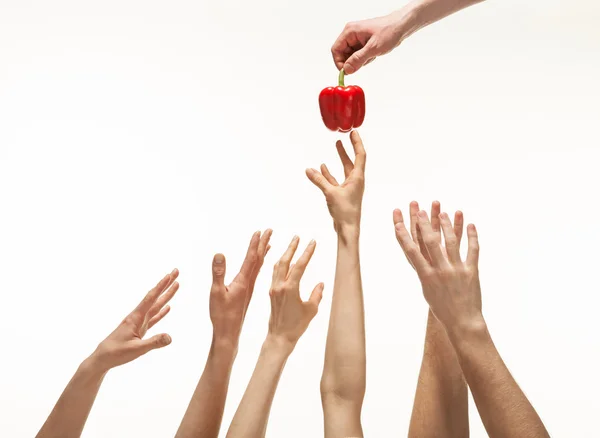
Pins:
x: 362, y: 41
x: 290, y: 316
x: 450, y: 286
x: 228, y: 304
x: 344, y: 201
x: 126, y: 343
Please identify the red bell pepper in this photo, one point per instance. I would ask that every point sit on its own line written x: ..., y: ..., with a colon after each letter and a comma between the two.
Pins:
x: 342, y: 108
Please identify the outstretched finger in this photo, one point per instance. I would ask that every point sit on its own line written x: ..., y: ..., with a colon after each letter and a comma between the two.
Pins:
x: 317, y: 179
x: 328, y: 176
x: 219, y: 266
x: 435, y: 218
x: 283, y: 265
x: 155, y: 292
x: 346, y: 161
x: 250, y: 260
x: 473, y: 252
x: 431, y: 240
x: 359, y: 152
x: 458, y: 226
x: 316, y: 295
x: 408, y: 245
x: 157, y: 341
x: 163, y: 300
x: 450, y: 240
x: 300, y: 267
x: 399, y: 218
x: 160, y: 315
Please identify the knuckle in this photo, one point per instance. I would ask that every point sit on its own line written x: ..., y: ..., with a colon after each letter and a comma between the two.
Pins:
x: 451, y: 241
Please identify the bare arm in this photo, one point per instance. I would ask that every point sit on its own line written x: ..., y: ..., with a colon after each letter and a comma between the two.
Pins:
x: 290, y: 317
x: 125, y: 344
x: 452, y: 289
x: 252, y: 416
x: 344, y: 373
x: 502, y: 405
x: 71, y: 412
x: 228, y: 306
x: 205, y: 412
x: 362, y: 41
x: 441, y: 407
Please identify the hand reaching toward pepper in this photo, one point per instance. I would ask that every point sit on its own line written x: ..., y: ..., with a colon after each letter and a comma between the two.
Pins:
x: 123, y: 345
x: 290, y: 315
x: 126, y: 343
x: 344, y: 200
x: 228, y: 304
x: 450, y: 286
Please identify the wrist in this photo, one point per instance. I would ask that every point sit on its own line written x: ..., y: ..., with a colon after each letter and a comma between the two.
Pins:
x: 93, y: 368
x: 223, y: 346
x: 348, y: 233
x: 278, y: 346
x: 468, y: 331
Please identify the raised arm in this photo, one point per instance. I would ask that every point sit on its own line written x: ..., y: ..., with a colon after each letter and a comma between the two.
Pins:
x: 125, y: 344
x: 452, y: 289
x: 290, y: 317
x: 344, y: 373
x: 441, y: 407
x: 362, y: 41
x: 228, y: 306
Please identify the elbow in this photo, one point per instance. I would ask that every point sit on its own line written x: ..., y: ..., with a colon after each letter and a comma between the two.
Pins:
x: 341, y: 391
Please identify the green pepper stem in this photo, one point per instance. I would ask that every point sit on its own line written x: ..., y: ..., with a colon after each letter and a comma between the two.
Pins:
x: 341, y: 78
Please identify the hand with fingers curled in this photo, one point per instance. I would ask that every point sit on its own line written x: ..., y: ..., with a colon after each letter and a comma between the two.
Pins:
x: 344, y: 200
x: 228, y: 304
x: 126, y: 342
x: 451, y: 286
x: 290, y: 315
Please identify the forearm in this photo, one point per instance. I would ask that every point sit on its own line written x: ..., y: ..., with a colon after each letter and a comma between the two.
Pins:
x: 344, y: 372
x: 420, y: 13
x: 205, y: 412
x: 252, y: 415
x: 70, y: 413
x: 503, y: 407
x: 441, y: 400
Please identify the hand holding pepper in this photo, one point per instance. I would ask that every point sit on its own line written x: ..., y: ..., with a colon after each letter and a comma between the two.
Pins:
x: 342, y: 108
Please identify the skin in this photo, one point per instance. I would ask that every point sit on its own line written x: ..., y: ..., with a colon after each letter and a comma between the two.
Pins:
x: 452, y: 289
x: 123, y: 345
x: 290, y: 317
x: 228, y: 306
x: 343, y: 381
x: 441, y: 407
x: 362, y: 41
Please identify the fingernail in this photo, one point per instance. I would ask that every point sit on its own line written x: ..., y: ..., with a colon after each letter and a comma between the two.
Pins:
x: 166, y: 339
x: 422, y: 214
x: 313, y: 242
x: 219, y: 259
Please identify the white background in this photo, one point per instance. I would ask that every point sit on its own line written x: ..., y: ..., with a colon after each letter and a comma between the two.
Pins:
x: 138, y: 136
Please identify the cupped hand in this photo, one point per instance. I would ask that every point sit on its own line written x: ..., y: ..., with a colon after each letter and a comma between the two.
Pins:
x: 228, y: 304
x: 450, y: 285
x: 290, y: 316
x: 126, y: 343
x: 362, y: 41
x: 344, y: 200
